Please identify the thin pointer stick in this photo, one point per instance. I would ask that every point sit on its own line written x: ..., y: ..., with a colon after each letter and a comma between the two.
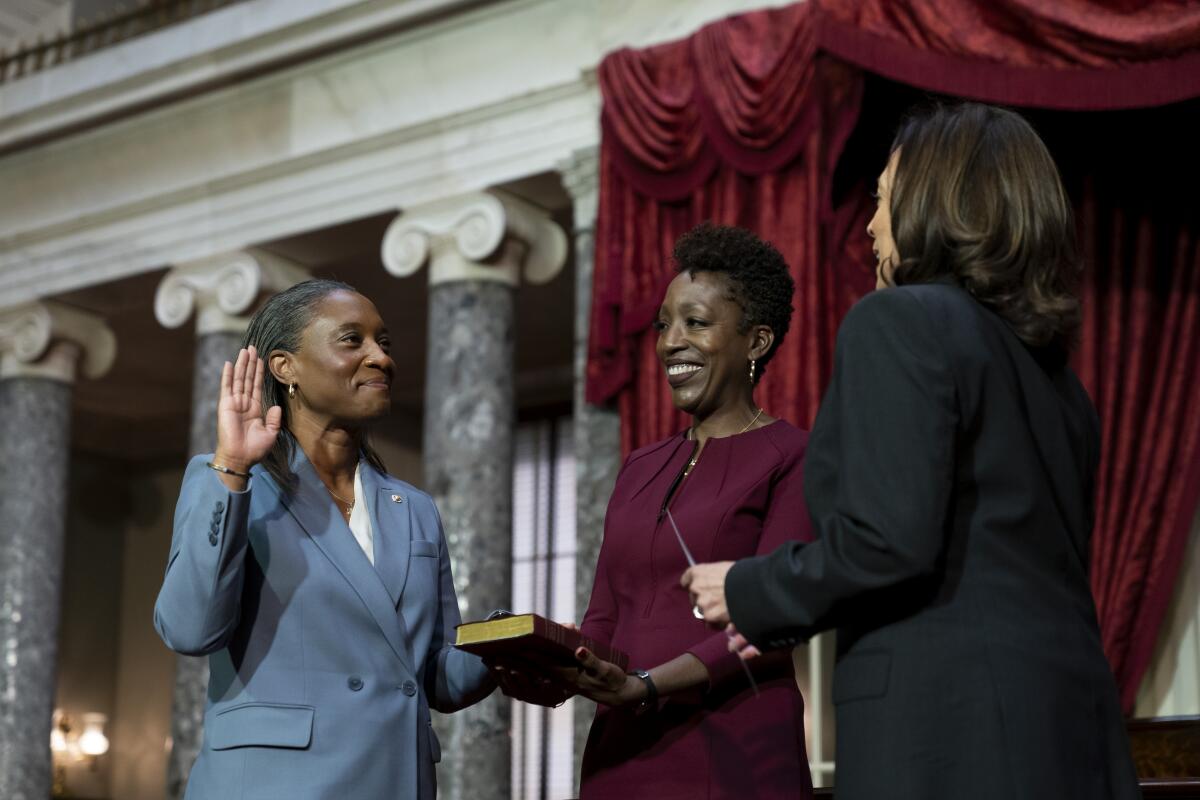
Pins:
x: 696, y: 609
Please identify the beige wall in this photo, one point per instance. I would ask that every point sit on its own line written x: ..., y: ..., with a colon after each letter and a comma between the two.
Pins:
x: 110, y: 659
x: 91, y: 607
x: 1171, y: 686
x: 398, y: 442
x: 146, y: 668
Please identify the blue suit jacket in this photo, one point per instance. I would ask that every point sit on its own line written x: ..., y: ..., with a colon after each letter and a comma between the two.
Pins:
x: 323, y: 667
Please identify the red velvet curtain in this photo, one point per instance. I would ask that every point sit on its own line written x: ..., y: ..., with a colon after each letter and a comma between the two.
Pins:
x: 1140, y: 361
x: 745, y: 122
x: 1068, y: 54
x: 1139, y: 357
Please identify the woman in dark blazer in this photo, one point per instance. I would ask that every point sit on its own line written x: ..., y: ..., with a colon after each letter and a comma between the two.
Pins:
x: 318, y: 585
x: 950, y: 476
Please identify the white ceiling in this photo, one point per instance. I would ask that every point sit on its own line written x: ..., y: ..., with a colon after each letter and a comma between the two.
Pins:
x: 23, y: 21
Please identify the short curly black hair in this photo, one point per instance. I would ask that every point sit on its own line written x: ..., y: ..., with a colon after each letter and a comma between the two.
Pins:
x: 757, y: 275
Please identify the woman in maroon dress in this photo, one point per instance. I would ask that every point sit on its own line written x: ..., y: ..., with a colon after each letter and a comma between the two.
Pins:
x: 686, y: 723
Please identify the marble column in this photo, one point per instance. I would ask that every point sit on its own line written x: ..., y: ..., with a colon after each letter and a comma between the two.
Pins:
x: 597, y: 428
x: 478, y: 248
x: 42, y: 346
x: 219, y: 290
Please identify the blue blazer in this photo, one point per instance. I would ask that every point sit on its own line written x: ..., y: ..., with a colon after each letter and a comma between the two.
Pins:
x: 323, y: 667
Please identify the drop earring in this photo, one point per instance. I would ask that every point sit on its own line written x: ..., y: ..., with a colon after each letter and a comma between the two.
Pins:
x: 753, y: 364
x: 291, y: 391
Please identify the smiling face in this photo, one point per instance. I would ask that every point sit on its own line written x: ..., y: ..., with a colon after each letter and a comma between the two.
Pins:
x: 880, y: 226
x: 342, y: 369
x: 705, y: 357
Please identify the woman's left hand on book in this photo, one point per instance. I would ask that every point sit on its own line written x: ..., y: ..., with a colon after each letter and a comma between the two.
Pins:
x: 600, y: 680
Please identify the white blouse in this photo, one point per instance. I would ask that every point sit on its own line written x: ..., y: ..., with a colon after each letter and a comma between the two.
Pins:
x: 360, y: 520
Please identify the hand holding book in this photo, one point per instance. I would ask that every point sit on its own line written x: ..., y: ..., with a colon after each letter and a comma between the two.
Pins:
x: 601, y: 681
x: 540, y: 661
x: 543, y: 662
x: 528, y: 682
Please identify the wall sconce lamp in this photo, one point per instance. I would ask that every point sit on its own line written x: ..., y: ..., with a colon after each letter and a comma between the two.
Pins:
x: 92, y: 741
x: 68, y: 747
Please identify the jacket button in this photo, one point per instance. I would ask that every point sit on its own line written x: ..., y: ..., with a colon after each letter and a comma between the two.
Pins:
x: 354, y: 682
x: 220, y: 506
x: 409, y: 688
x: 212, y: 539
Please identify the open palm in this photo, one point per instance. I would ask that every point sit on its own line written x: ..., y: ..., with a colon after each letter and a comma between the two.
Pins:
x: 244, y: 435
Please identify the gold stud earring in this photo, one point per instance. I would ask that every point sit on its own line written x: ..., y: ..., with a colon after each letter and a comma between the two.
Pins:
x: 291, y: 391
x: 753, y: 364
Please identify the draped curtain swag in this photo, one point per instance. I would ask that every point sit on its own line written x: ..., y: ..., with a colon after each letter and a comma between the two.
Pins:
x: 744, y: 123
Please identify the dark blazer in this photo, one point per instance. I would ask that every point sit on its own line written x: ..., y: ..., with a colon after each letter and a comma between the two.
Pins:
x: 323, y: 667
x: 949, y: 477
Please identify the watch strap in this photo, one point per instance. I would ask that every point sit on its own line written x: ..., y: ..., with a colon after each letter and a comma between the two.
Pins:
x: 651, y: 699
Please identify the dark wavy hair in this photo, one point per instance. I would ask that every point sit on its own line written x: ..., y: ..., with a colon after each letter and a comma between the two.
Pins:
x: 280, y: 325
x: 977, y: 197
x: 756, y: 273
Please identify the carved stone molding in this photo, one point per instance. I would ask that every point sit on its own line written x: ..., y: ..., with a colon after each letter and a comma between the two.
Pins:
x: 221, y: 289
x: 51, y: 340
x: 488, y: 236
x: 581, y: 178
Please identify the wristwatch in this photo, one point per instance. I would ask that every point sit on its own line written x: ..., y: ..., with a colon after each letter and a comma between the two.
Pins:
x: 650, y: 701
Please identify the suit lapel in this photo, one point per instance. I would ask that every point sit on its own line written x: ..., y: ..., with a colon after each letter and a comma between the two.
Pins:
x: 313, y: 509
x: 391, y: 520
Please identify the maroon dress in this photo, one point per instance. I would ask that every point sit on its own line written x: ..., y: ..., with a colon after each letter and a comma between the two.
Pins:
x: 744, y: 497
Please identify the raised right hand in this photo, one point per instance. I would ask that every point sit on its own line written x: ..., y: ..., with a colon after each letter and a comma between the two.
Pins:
x: 244, y: 436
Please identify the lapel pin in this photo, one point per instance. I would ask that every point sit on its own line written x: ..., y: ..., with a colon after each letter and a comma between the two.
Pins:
x: 397, y: 498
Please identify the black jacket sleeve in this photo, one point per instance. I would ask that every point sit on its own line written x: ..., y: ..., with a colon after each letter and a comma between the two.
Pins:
x: 886, y: 429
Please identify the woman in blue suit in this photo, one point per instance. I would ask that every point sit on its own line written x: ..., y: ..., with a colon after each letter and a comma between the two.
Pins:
x: 318, y: 585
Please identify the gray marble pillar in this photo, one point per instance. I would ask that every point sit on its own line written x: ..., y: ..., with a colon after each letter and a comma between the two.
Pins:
x: 191, y: 672
x: 35, y: 419
x: 597, y: 429
x: 468, y: 452
x: 218, y: 291
x: 41, y: 347
x: 479, y: 248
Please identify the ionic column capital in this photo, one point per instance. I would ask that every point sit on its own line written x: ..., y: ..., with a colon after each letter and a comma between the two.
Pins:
x: 221, y: 289
x: 47, y: 339
x: 490, y: 236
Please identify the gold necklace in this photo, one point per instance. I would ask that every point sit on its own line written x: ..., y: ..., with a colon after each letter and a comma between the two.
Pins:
x: 349, y: 504
x: 688, y: 469
x: 751, y: 422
